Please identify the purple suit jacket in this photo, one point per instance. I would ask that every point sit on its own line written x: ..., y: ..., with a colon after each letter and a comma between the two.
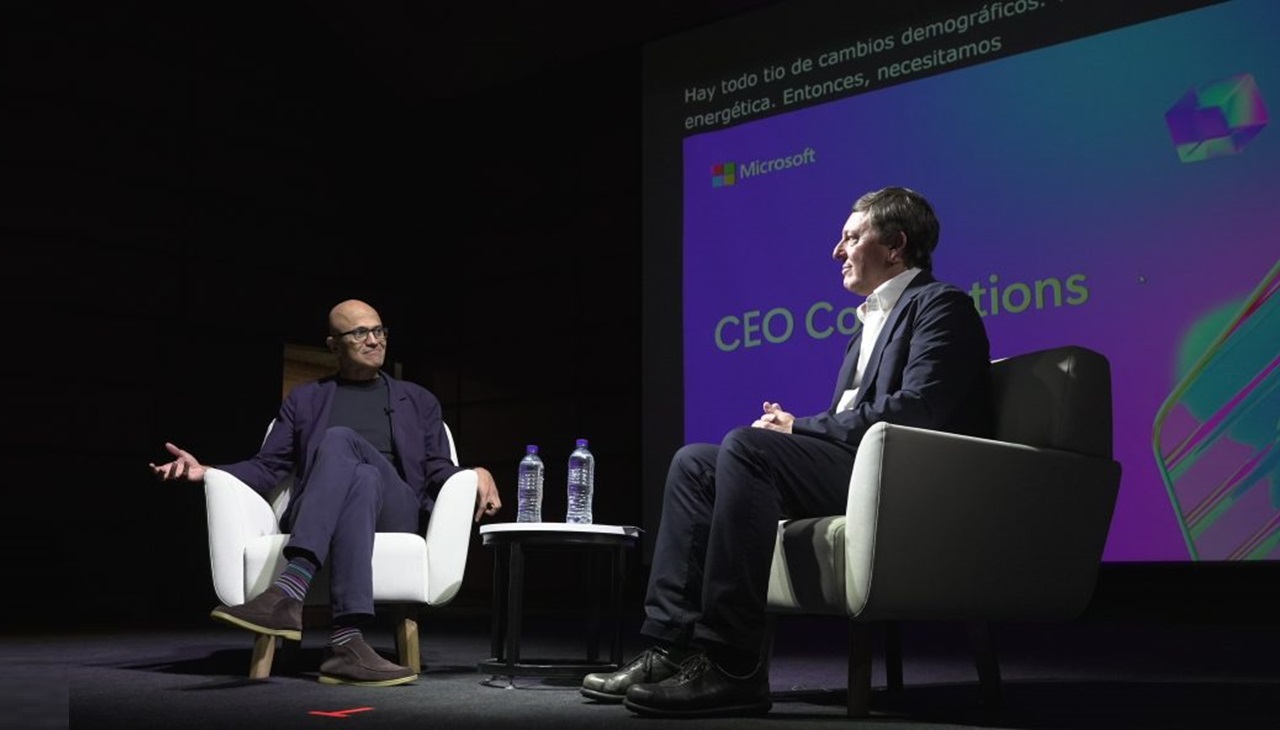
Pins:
x: 417, y: 431
x: 931, y: 368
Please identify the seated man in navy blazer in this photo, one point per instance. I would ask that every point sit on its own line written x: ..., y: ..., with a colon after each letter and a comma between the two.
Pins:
x: 369, y: 454
x: 921, y: 358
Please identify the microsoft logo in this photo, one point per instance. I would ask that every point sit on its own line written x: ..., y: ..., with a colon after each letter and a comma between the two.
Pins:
x: 724, y: 174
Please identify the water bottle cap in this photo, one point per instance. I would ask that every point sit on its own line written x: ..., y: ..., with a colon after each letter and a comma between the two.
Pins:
x: 582, y: 443
x: 531, y: 449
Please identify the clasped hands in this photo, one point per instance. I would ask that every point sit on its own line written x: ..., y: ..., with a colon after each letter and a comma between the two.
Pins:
x: 774, y: 418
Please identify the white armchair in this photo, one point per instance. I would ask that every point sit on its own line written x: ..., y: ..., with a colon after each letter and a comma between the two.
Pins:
x: 953, y: 528
x: 246, y: 555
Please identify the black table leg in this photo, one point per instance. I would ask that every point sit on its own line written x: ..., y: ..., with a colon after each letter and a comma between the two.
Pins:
x: 617, y: 575
x: 593, y: 602
x: 498, y: 630
x: 515, y: 604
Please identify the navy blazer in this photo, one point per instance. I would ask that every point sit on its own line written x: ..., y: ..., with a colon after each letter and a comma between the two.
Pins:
x: 417, y: 431
x: 931, y: 368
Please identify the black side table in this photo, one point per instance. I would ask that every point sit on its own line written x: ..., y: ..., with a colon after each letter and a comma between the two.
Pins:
x: 510, y: 540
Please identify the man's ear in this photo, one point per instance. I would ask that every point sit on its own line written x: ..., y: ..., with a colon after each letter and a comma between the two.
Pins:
x: 331, y: 343
x: 898, y: 250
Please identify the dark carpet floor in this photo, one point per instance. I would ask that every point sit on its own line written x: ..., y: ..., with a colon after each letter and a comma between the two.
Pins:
x: 1078, y: 675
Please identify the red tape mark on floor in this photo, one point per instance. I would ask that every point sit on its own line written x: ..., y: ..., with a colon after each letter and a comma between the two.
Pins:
x: 339, y: 713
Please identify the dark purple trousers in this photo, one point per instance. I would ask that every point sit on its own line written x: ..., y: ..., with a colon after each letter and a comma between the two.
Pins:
x: 351, y: 492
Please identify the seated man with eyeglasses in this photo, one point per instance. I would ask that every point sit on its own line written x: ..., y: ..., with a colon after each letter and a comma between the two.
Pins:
x: 368, y: 453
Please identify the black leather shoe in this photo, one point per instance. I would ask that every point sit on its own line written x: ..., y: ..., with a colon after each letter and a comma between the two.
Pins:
x: 652, y: 665
x: 702, y: 689
x: 272, y: 612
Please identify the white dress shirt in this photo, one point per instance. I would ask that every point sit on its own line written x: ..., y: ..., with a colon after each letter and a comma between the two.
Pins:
x: 873, y: 311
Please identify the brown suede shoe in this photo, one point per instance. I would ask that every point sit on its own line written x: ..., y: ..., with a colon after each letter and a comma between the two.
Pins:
x: 272, y: 612
x: 355, y: 662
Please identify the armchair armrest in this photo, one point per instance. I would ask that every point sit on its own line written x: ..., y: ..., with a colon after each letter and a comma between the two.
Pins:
x: 448, y: 536
x: 235, y: 515
x: 950, y: 527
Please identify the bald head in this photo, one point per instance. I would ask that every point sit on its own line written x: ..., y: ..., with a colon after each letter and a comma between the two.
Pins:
x: 345, y: 315
x: 358, y: 338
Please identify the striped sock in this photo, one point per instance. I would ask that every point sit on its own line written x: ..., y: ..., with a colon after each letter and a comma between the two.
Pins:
x: 296, y: 577
x: 343, y: 634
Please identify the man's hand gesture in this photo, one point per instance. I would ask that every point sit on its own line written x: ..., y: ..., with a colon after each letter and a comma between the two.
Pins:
x: 184, y: 467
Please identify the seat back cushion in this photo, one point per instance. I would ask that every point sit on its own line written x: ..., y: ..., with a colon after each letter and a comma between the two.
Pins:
x: 1057, y: 398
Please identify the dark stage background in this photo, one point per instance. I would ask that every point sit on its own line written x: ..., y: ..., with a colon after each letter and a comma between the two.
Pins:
x: 189, y: 188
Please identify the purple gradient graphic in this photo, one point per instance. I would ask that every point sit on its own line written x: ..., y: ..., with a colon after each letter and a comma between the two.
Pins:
x: 1063, y: 214
x: 1217, y: 119
x: 1217, y: 437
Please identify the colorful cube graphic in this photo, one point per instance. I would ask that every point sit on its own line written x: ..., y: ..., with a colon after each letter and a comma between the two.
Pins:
x: 1217, y: 119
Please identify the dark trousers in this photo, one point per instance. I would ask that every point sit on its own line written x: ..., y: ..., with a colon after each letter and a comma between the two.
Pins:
x: 710, y: 575
x: 351, y: 492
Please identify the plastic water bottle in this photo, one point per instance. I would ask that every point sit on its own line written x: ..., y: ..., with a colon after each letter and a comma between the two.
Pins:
x: 529, y: 486
x: 582, y: 478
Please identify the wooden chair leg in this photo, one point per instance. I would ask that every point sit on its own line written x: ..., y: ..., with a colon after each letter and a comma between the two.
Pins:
x: 264, y: 651
x: 859, y: 702
x: 407, y: 646
x: 988, y: 665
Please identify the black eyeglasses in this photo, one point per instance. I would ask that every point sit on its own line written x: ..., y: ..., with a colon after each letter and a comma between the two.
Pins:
x: 359, y: 334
